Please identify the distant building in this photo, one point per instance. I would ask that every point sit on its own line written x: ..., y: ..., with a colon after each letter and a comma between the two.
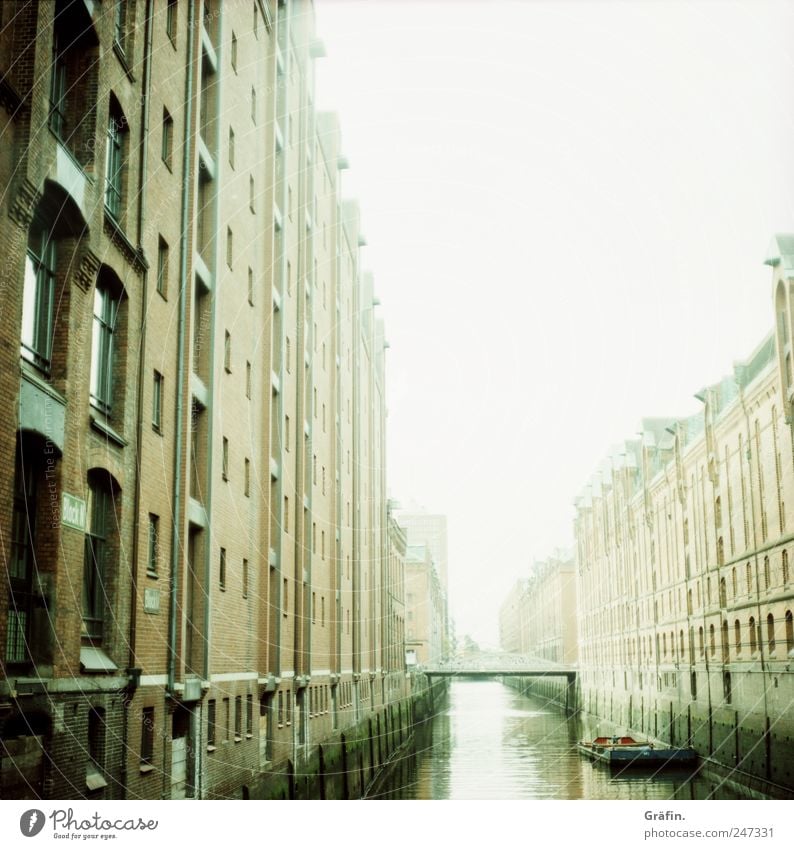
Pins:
x: 430, y: 530
x: 511, y: 636
x: 393, y: 639
x: 538, y: 617
x: 549, y: 615
x: 425, y: 606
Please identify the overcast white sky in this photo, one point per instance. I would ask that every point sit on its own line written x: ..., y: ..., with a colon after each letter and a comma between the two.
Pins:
x: 568, y: 206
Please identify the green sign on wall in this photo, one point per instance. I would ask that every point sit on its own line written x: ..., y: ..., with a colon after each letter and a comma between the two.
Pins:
x: 73, y: 512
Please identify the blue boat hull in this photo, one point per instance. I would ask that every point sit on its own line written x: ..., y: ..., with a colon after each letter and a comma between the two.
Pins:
x: 619, y: 756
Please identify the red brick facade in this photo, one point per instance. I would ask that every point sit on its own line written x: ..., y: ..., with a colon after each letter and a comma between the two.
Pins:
x: 194, y: 408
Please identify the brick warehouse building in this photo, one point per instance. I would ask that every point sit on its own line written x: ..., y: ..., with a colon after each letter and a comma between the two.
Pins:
x: 199, y: 594
x: 684, y: 541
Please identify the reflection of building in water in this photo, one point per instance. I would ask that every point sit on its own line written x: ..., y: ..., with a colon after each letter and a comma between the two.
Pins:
x: 197, y: 587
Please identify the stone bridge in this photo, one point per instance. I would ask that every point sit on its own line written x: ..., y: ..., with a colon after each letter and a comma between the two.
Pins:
x: 491, y: 665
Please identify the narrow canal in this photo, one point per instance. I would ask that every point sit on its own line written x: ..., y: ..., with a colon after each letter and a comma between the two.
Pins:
x: 491, y: 742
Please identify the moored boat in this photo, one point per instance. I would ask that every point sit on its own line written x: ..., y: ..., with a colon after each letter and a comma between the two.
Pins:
x: 626, y: 751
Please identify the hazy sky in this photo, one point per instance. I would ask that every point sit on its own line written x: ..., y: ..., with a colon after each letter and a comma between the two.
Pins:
x: 567, y: 206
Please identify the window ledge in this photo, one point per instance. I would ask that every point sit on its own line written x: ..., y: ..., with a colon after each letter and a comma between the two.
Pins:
x: 145, y: 768
x: 238, y: 739
x: 106, y: 430
x: 117, y: 235
x: 153, y: 575
x: 122, y: 57
x: 210, y: 748
x: 38, y: 378
x: 249, y: 736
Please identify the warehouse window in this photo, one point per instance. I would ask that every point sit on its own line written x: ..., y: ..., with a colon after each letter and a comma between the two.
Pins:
x: 27, y: 471
x: 100, y: 552
x: 167, y: 149
x: 115, y: 159
x: 38, y: 299
x: 147, y: 738
x: 162, y: 266
x: 154, y: 545
x: 107, y: 304
x: 211, y: 732
x: 157, y: 401
x: 171, y: 19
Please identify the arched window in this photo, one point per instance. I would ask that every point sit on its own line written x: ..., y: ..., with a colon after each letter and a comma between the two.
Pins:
x: 720, y: 551
x: 700, y: 641
x: 28, y: 466
x: 752, y: 634
x: 734, y: 583
x: 723, y: 593
x: 726, y: 685
x: 784, y: 565
x: 770, y: 633
x: 101, y: 553
x: 712, y: 641
x: 789, y: 633
x: 749, y: 570
x: 724, y: 641
x: 737, y: 636
x: 767, y: 578
x: 106, y: 308
x: 73, y: 80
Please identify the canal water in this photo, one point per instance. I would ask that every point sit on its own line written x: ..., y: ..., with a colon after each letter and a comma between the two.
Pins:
x: 491, y: 742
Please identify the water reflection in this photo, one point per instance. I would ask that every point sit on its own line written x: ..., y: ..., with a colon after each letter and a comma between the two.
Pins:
x: 491, y: 742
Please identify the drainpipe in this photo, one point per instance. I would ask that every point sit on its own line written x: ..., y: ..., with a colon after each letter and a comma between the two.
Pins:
x: 176, y: 536
x: 142, y: 182
x: 210, y: 412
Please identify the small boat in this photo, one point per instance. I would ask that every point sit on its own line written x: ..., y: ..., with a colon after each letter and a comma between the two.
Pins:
x: 626, y: 751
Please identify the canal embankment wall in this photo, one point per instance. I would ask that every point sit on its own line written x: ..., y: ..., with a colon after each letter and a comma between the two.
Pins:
x: 345, y: 763
x: 750, y: 742
x: 748, y: 735
x: 558, y: 691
